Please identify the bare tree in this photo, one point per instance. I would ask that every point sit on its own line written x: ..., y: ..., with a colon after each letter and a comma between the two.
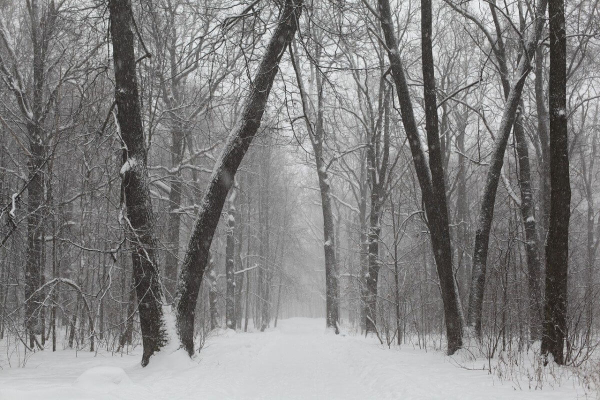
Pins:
x: 135, y: 178
x: 135, y: 185
x: 221, y: 181
x: 317, y: 135
x: 486, y: 214
x: 431, y: 178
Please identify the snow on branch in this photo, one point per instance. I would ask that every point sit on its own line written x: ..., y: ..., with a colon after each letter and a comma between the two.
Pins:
x: 128, y: 165
x: 14, y: 205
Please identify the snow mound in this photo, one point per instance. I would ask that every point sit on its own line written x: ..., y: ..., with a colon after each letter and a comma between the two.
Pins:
x: 168, y: 362
x: 103, y: 379
x: 171, y: 357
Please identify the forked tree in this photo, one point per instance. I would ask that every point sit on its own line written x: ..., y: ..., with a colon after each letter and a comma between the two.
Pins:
x: 430, y: 177
x: 135, y: 182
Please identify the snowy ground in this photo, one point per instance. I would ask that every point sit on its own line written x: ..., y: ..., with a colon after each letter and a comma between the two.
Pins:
x: 298, y: 360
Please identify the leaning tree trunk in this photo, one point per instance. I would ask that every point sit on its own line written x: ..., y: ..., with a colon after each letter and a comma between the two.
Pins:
x: 486, y: 213
x: 139, y: 220
x: 557, y: 244
x: 221, y: 180
x: 527, y: 207
x: 434, y: 199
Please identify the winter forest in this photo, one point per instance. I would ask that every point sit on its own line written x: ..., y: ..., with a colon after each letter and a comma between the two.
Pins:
x: 299, y: 199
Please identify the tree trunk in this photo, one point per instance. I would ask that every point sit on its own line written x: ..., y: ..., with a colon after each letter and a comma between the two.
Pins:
x: 395, y: 227
x: 434, y: 200
x: 317, y: 137
x: 278, y: 302
x: 55, y: 265
x: 73, y: 324
x: 230, y: 316
x: 462, y: 204
x: 363, y: 246
x: 534, y: 273
x: 127, y: 335
x: 374, y: 264
x: 35, y: 240
x: 377, y: 169
x: 248, y: 252
x: 174, y: 219
x: 331, y: 274
x: 221, y: 181
x: 557, y: 244
x: 542, y: 122
x: 134, y: 175
x: 587, y: 172
x: 239, y: 278
x: 213, y: 293
x: 264, y: 253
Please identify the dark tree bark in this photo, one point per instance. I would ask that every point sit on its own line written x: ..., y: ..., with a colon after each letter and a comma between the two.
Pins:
x: 134, y: 175
x: 35, y: 243
x: 221, y: 181
x: 127, y: 335
x: 41, y: 31
x: 432, y: 184
x: 557, y: 244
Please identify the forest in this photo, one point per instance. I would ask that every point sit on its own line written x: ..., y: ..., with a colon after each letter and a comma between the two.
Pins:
x: 410, y: 174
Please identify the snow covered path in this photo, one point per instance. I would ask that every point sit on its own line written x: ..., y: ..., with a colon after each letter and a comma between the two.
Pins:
x: 296, y: 361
